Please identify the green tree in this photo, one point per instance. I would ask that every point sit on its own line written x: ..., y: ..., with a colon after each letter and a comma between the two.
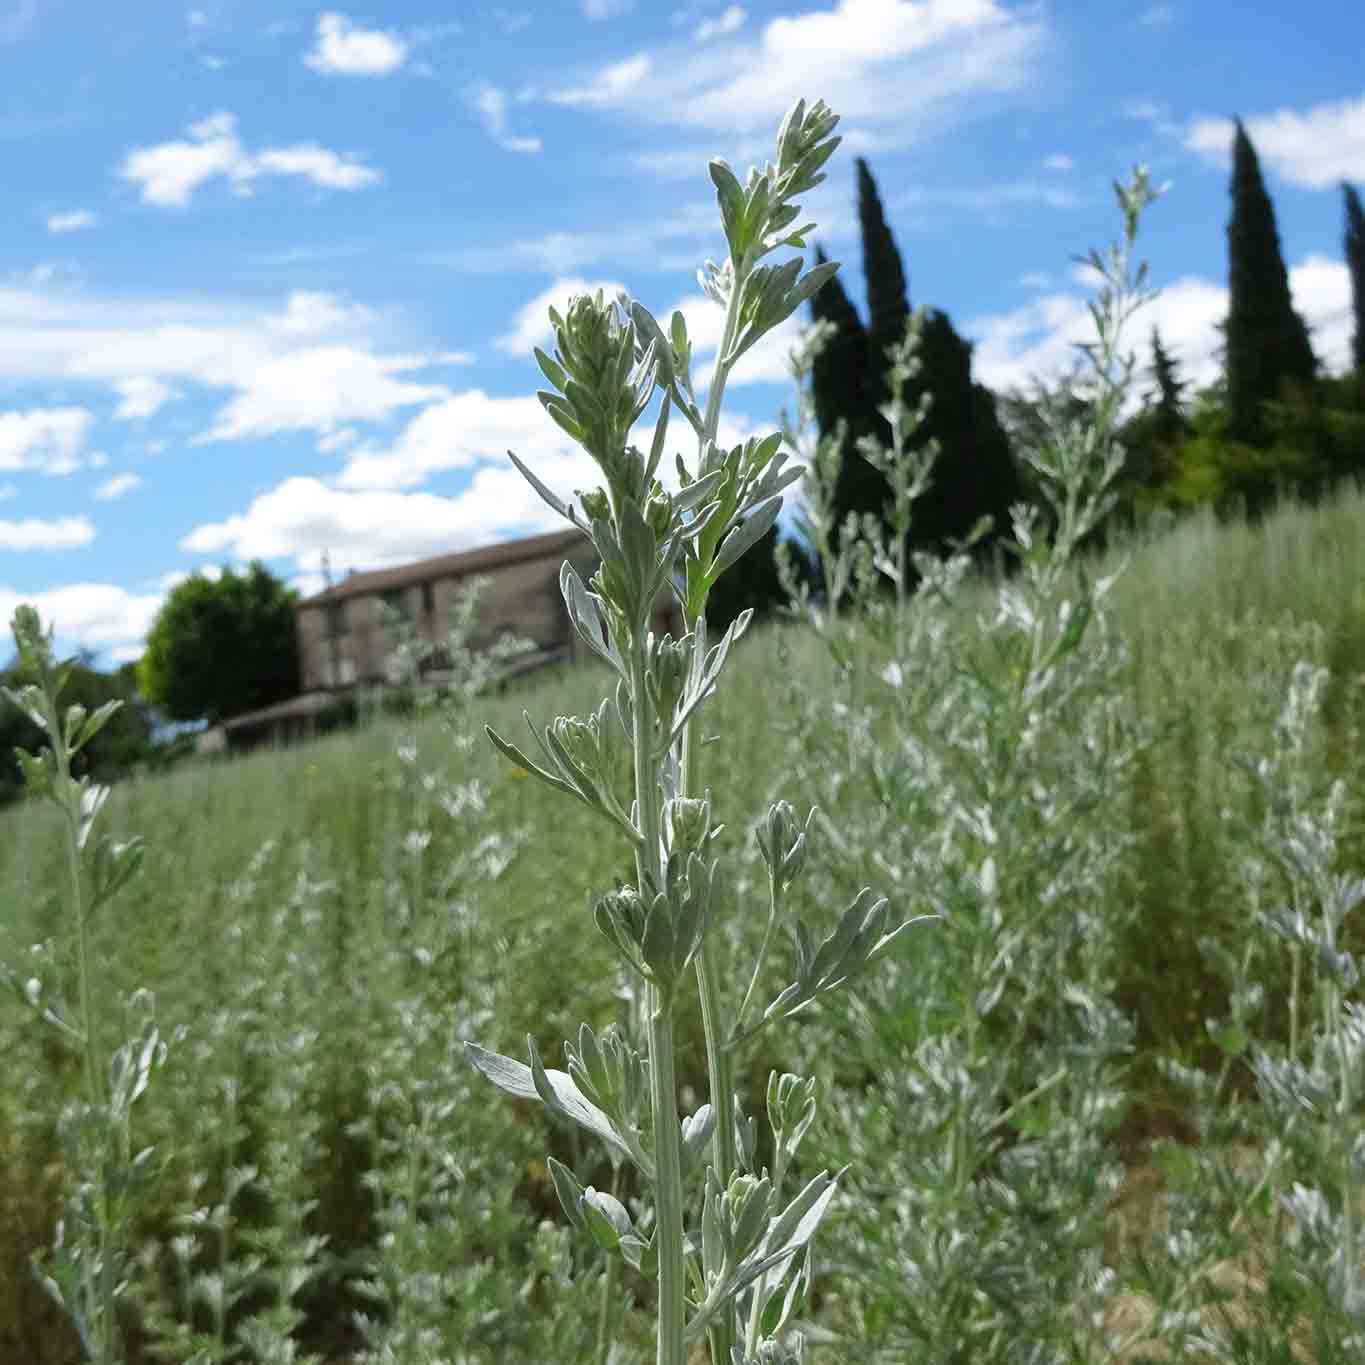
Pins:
x: 975, y: 474
x: 1354, y: 248
x: 839, y: 377
x: 888, y: 300
x: 1169, y: 392
x: 124, y: 741
x: 1267, y: 341
x: 219, y: 647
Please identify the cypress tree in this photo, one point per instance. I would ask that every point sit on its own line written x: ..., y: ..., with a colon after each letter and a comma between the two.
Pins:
x: 1267, y: 341
x: 839, y: 386
x: 888, y: 300
x: 1355, y: 263
x: 1171, y: 421
x: 975, y: 475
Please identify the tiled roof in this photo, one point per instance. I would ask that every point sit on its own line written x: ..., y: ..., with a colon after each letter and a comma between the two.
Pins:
x: 457, y: 565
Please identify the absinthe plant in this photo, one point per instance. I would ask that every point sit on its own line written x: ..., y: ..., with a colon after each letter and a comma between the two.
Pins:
x: 738, y: 1273
x: 87, y: 1271
x: 991, y: 765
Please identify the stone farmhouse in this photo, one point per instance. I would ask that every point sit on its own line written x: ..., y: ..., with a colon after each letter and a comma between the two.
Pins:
x: 346, y: 644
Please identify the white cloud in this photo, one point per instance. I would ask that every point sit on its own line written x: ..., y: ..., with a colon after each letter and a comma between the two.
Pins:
x: 369, y: 524
x: 303, y: 518
x: 70, y: 222
x: 1058, y: 161
x: 324, y: 168
x: 169, y: 173
x: 321, y: 389
x: 728, y: 21
x: 48, y: 439
x: 342, y: 49
x: 490, y: 104
x: 313, y: 362
x: 8, y: 490
x: 1035, y: 279
x: 606, y: 9
x: 1037, y: 338
x: 461, y: 431
x: 67, y: 533
x: 1316, y: 149
x: 142, y: 395
x: 93, y: 615
x: 112, y: 489
x: 890, y: 65
x: 610, y: 84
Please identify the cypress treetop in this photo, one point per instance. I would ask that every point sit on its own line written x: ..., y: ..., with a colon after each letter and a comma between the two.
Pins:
x: 1355, y: 263
x: 888, y: 300
x: 1267, y: 341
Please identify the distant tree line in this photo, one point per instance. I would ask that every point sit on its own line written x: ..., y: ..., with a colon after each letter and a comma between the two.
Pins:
x: 1273, y: 423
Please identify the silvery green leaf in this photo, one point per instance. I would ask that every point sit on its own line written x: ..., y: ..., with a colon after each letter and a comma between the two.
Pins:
x: 551, y: 369
x: 697, y: 491
x: 562, y: 413
x: 90, y: 725
x: 792, y: 1229
x: 811, y: 283
x: 510, y: 750
x: 657, y: 947
x: 516, y: 1079
x: 605, y: 1217
x: 115, y: 865
x: 756, y: 1207
x: 656, y: 449
x: 696, y: 1133
x: 642, y: 1255
x: 569, y: 1190
x: 651, y: 335
x: 92, y: 799
x: 746, y: 535
x: 730, y: 194
x: 29, y: 699
x: 550, y: 499
x: 587, y: 617
x: 790, y: 133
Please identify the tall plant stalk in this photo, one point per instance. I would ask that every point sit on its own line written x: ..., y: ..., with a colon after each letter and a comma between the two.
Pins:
x: 90, y: 1257
x: 744, y: 1250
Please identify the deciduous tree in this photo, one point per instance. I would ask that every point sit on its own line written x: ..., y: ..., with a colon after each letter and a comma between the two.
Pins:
x: 219, y: 647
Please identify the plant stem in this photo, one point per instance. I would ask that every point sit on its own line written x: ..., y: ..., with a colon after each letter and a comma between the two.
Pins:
x: 719, y: 1072
x: 668, y: 1195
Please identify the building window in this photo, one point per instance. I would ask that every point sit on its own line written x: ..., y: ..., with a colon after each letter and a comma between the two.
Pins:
x: 428, y: 598
x: 336, y: 619
x: 396, y: 599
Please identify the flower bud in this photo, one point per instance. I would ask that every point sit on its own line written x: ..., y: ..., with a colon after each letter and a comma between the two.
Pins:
x: 782, y: 842
x: 595, y: 503
x: 688, y: 822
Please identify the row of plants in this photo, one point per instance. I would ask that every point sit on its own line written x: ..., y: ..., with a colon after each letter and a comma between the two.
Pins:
x: 285, y: 1154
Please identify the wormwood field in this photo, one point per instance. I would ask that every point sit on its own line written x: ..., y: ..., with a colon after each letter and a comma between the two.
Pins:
x: 1105, y: 1108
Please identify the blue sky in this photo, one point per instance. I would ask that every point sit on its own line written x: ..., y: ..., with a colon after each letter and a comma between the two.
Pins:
x: 270, y: 273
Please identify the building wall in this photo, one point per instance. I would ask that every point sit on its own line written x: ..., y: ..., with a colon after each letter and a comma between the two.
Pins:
x: 522, y: 598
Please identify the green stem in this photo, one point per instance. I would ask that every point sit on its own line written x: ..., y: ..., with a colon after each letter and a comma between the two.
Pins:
x: 663, y: 1093
x: 719, y: 1070
x: 668, y: 1195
